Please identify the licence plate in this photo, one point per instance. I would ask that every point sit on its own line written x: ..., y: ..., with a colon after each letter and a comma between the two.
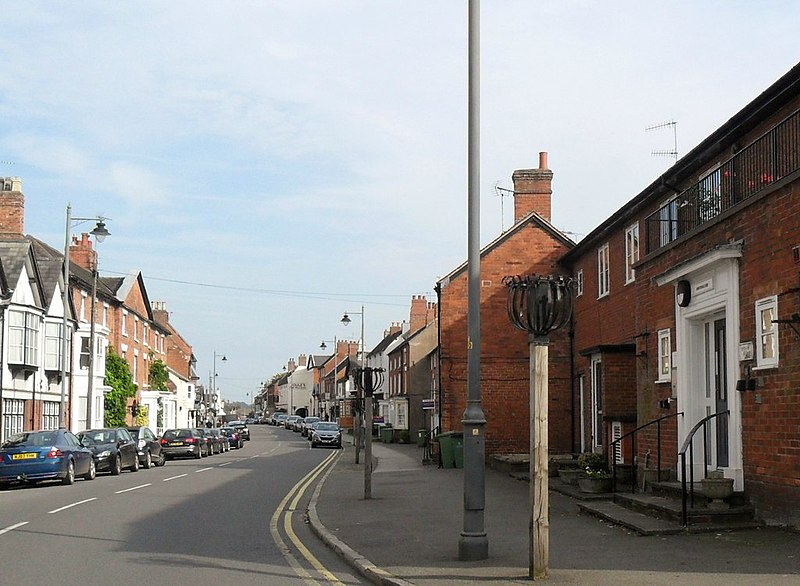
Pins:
x: 25, y: 456
x: 176, y: 443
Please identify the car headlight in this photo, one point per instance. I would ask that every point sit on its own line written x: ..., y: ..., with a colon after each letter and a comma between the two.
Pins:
x: 104, y: 454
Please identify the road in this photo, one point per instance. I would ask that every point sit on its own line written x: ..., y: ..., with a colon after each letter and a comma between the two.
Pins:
x: 233, y: 518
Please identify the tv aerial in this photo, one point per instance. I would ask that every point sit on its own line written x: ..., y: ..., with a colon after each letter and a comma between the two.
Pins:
x: 666, y: 153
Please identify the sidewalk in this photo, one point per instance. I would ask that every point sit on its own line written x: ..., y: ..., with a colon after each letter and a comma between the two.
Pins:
x: 408, y: 533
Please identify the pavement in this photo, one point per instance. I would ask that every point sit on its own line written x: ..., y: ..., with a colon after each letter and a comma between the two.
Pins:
x: 408, y: 533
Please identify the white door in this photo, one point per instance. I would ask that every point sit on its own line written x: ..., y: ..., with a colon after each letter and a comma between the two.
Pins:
x: 597, y: 404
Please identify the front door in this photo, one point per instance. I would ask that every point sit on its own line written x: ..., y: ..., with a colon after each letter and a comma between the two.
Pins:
x: 716, y: 392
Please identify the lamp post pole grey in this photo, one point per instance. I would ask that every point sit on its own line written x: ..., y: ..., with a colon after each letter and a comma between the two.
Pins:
x: 474, y: 543
x: 359, y: 393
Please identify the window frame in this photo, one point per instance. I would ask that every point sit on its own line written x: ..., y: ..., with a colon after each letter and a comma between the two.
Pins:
x: 762, y: 305
x: 632, y: 250
x: 664, y: 354
x: 603, y: 271
x: 579, y: 281
x: 23, y: 338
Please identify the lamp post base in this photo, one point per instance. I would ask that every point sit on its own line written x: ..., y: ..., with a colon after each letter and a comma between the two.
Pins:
x: 473, y: 547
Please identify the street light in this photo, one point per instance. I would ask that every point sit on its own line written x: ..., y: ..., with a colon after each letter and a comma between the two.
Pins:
x: 214, y: 378
x: 99, y: 232
x: 356, y: 431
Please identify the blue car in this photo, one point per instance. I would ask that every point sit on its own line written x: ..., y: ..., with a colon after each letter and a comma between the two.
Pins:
x: 32, y: 456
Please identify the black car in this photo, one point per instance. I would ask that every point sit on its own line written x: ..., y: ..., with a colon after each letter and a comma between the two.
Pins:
x: 241, y: 427
x: 186, y: 441
x: 234, y: 439
x: 149, y: 447
x: 113, y: 448
x: 222, y: 440
x: 212, y: 441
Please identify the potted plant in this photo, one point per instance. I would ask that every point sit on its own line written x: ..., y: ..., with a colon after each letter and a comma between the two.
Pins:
x: 597, y: 478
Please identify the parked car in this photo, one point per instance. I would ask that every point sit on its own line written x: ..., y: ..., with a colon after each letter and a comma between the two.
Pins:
x: 211, y: 441
x: 150, y: 452
x: 279, y: 418
x: 311, y: 429
x: 242, y: 428
x: 306, y: 425
x: 327, y: 433
x: 32, y: 456
x: 222, y: 439
x: 113, y: 448
x: 183, y: 442
x: 234, y: 439
x: 288, y: 423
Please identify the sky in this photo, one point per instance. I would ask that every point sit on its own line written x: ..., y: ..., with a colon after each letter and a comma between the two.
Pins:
x: 270, y: 164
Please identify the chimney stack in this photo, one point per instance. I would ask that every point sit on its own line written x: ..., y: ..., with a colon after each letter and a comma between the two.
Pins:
x: 12, y: 207
x: 533, y: 190
x: 82, y: 252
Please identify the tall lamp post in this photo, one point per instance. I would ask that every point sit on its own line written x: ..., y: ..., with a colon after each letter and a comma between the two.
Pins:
x: 539, y: 305
x: 356, y: 420
x: 214, y: 378
x: 323, y: 346
x: 99, y: 232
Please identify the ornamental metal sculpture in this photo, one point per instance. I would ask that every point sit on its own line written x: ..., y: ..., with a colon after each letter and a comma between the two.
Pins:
x: 367, y: 379
x: 539, y: 305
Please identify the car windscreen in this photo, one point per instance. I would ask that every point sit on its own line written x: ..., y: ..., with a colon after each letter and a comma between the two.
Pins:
x: 324, y: 426
x: 46, y: 438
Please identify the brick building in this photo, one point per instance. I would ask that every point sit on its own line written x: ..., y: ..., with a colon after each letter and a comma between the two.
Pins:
x: 688, y: 308
x: 531, y: 245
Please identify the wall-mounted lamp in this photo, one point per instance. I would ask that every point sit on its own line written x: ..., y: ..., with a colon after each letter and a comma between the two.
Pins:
x: 683, y: 293
x: 747, y: 383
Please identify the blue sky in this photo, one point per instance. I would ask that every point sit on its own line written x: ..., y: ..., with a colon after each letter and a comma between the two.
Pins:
x: 268, y: 165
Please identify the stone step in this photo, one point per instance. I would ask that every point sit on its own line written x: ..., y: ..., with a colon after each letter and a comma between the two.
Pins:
x: 639, y: 522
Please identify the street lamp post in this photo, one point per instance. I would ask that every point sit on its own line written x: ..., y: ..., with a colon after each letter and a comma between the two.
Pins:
x: 99, y: 232
x: 323, y: 346
x: 356, y: 420
x: 214, y: 378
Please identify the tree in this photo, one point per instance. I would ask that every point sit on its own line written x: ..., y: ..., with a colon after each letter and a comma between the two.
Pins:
x: 158, y: 376
x: 118, y: 377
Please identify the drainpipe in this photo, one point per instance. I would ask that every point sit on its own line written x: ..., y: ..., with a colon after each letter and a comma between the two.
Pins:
x: 438, y: 289
x: 572, y: 378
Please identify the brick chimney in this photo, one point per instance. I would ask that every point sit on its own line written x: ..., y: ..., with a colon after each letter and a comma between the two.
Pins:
x: 533, y: 190
x: 291, y: 366
x: 302, y: 360
x: 82, y: 252
x: 419, y: 311
x: 12, y: 207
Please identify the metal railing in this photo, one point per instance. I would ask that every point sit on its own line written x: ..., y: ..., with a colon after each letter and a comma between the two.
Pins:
x: 762, y: 163
x: 617, y: 444
x: 687, y: 494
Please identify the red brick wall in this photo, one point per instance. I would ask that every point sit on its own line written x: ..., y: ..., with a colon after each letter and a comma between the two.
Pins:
x: 504, y: 349
x: 12, y: 213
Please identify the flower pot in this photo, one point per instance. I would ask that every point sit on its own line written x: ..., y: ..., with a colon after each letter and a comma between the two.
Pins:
x: 595, y: 485
x: 717, y: 488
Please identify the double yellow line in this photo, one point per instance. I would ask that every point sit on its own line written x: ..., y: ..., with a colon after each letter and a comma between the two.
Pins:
x: 294, y: 495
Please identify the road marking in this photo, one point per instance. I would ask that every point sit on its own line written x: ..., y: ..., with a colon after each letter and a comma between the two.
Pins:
x: 297, y: 491
x: 204, y: 469
x: 134, y: 488
x: 12, y: 527
x: 72, y: 505
x: 225, y: 464
x: 174, y: 477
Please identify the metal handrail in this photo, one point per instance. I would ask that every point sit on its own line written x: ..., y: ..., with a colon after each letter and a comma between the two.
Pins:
x: 688, y: 444
x: 632, y: 434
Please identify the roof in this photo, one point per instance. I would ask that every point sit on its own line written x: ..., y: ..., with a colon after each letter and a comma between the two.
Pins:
x: 383, y: 344
x: 532, y: 219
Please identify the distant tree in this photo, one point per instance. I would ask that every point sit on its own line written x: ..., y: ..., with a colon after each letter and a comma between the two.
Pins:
x: 158, y: 376
x: 118, y: 377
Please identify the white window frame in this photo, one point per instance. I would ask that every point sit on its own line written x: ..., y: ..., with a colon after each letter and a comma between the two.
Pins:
x: 135, y: 328
x: 50, y: 414
x: 13, y: 417
x: 579, y: 279
x: 54, y: 345
x: 105, y: 314
x: 23, y: 338
x: 766, y: 332
x: 603, y: 271
x: 125, y: 323
x: 664, y: 356
x: 631, y: 251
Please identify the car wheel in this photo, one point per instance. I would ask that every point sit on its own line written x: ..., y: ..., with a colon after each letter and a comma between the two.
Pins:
x: 148, y: 460
x: 70, y: 477
x: 116, y: 467
x: 162, y: 460
x: 199, y: 453
x: 92, y: 471
x: 135, y: 466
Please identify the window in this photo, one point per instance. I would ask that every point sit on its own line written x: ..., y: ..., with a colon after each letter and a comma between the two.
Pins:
x: 54, y: 345
x: 135, y: 328
x: 631, y: 252
x: 668, y: 221
x: 23, y: 337
x: 602, y: 271
x: 579, y: 279
x: 13, y: 417
x: 766, y: 332
x: 402, y: 409
x: 84, y: 359
x: 124, y: 323
x: 144, y: 335
x: 50, y: 412
x: 664, y: 355
x: 105, y: 314
x: 82, y: 314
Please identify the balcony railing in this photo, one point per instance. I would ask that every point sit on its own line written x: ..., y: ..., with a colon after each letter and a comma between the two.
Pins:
x: 764, y: 162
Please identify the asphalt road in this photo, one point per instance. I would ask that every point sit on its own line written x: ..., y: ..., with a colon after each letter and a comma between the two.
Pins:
x: 233, y: 518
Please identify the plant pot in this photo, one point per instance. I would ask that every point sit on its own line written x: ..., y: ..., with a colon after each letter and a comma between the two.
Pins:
x: 717, y: 488
x: 594, y: 485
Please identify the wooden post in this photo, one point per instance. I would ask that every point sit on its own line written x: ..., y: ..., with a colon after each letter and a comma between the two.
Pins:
x: 538, y: 491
